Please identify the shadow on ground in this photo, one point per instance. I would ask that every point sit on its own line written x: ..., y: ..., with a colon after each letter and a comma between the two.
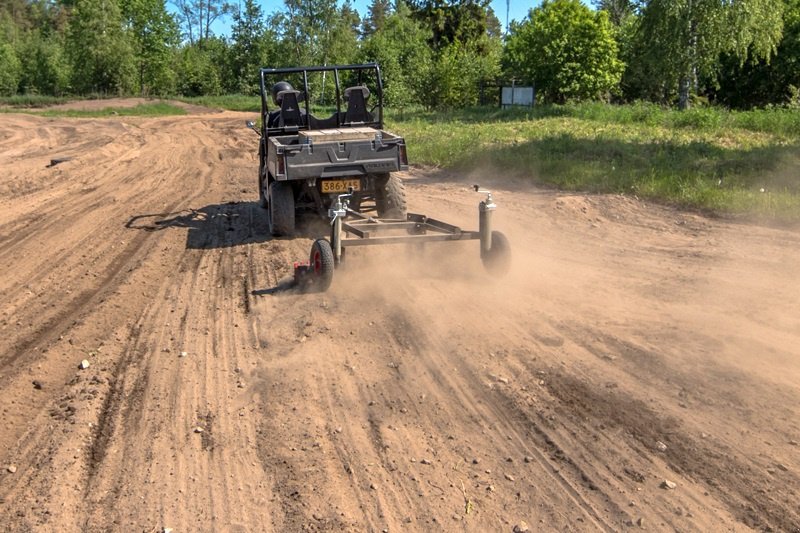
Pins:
x: 223, y: 225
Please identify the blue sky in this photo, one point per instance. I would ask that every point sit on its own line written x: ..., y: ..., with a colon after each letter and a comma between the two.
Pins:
x: 518, y: 10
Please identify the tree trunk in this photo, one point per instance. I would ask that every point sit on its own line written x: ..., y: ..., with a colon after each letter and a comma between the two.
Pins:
x: 683, y: 93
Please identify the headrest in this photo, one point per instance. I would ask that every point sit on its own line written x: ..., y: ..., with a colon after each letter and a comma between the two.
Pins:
x: 298, y: 94
x: 364, y: 91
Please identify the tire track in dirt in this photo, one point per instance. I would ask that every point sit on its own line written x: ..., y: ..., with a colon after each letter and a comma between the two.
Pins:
x: 416, y: 394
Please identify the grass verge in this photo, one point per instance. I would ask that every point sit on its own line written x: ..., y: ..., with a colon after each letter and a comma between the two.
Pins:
x: 155, y: 109
x: 231, y: 102
x: 726, y: 162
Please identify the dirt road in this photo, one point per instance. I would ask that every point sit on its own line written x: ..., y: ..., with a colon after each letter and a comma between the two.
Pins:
x: 631, y: 345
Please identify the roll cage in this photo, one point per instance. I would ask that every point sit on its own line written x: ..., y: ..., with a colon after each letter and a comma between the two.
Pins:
x: 341, y: 117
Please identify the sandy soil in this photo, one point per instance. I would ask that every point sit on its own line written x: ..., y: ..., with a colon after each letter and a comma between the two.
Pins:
x: 631, y: 344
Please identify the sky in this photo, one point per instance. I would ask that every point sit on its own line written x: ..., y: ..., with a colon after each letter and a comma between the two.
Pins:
x: 517, y: 10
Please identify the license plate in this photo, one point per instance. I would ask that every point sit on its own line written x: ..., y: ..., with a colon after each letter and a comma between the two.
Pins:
x: 340, y: 186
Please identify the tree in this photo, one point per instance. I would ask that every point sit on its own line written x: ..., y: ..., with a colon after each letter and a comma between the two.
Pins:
x: 377, y: 13
x: 9, y: 69
x: 465, y: 21
x: 685, y: 38
x: 199, y: 68
x: 197, y: 16
x: 99, y: 49
x: 400, y: 46
x: 761, y: 82
x: 455, y: 77
x: 316, y: 32
x: 567, y: 49
x: 250, y: 48
x: 618, y: 10
x: 154, y: 34
x: 45, y: 66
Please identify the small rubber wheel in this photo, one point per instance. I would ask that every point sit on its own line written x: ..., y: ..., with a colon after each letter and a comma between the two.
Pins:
x: 321, y: 262
x: 497, y: 261
x: 281, y: 208
x: 390, y: 198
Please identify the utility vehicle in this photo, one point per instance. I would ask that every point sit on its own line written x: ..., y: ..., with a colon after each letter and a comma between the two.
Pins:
x: 322, y: 135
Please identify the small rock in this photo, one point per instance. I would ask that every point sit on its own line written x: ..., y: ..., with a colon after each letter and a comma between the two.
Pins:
x: 509, y: 477
x: 528, y: 459
x: 476, y: 461
x: 183, y: 354
x: 425, y: 462
x: 490, y: 488
x: 522, y: 527
x: 166, y: 530
x: 509, y: 459
x: 660, y: 446
x: 793, y: 442
x: 640, y: 522
x: 667, y: 484
x: 198, y: 429
x: 782, y: 467
x: 37, y: 384
x: 84, y: 364
x: 11, y: 469
x: 503, y: 380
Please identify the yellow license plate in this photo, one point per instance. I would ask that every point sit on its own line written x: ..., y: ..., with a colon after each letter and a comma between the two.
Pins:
x: 340, y: 186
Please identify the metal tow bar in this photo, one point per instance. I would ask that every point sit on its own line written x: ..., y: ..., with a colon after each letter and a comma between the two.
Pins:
x: 362, y: 230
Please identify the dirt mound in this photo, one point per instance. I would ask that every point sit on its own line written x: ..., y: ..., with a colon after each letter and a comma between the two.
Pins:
x: 630, y: 345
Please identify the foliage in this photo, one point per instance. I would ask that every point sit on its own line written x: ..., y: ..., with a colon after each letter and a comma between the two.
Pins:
x: 197, y: 72
x: 683, y: 39
x: 377, y: 13
x: 567, y: 49
x: 250, y: 49
x: 99, y: 50
x: 762, y: 82
x: 45, y: 66
x: 10, y: 70
x: 400, y: 47
x: 618, y: 10
x: 454, y: 78
x: 456, y: 21
x: 316, y: 32
x: 154, y: 34
x: 197, y: 16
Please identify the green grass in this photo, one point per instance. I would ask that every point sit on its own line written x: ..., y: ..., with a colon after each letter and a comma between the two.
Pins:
x: 156, y: 109
x: 231, y: 102
x: 33, y: 100
x: 705, y: 158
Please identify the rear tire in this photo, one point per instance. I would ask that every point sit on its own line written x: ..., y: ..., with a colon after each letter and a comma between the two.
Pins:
x: 280, y: 209
x: 321, y: 262
x: 262, y: 197
x: 497, y: 261
x: 390, y: 198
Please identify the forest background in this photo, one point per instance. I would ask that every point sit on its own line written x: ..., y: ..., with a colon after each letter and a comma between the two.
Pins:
x: 440, y: 54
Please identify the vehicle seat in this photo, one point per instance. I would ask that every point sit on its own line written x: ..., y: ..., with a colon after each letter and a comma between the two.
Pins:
x: 290, y: 116
x: 356, y: 98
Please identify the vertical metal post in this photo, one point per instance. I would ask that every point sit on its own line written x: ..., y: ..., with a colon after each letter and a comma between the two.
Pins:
x: 336, y: 240
x: 485, y: 209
